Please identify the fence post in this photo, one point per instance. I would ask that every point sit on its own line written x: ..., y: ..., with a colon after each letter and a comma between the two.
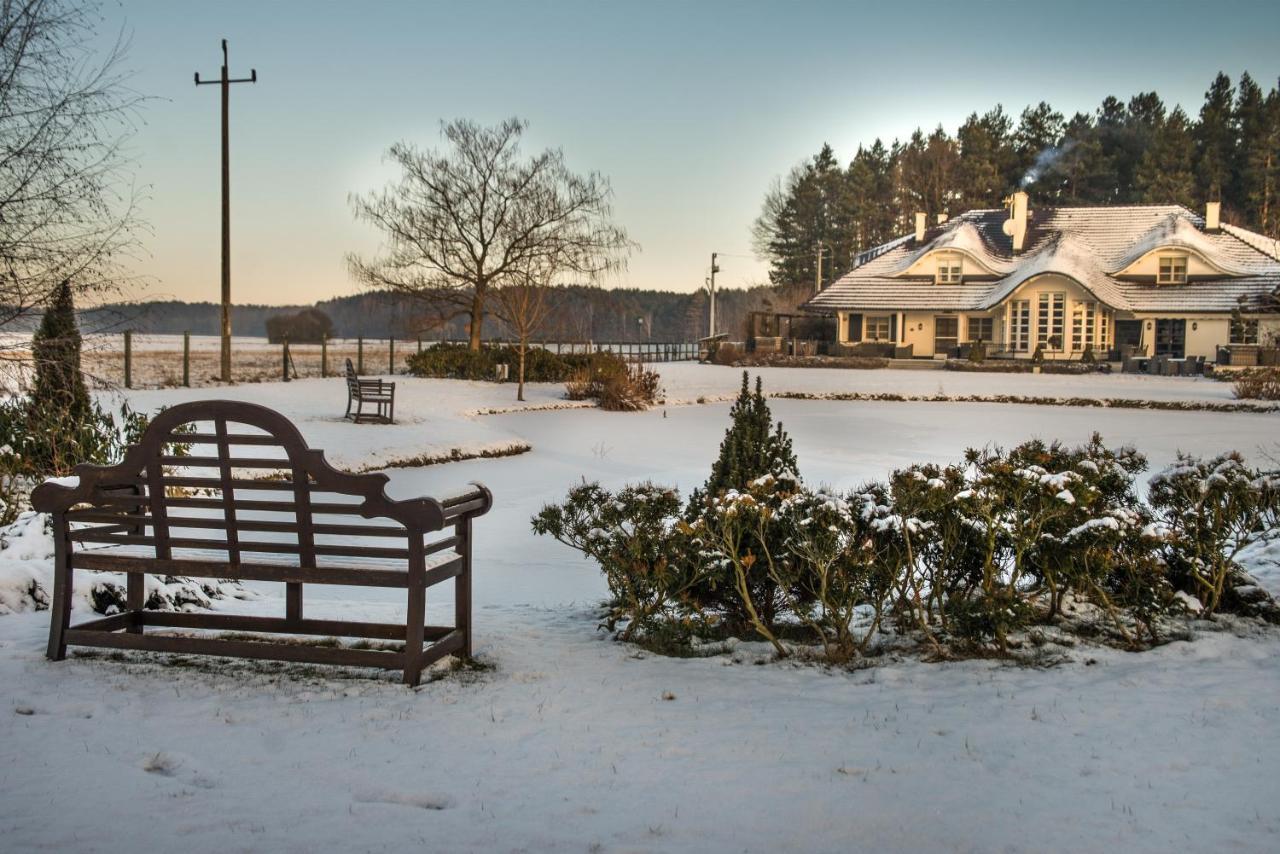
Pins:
x: 391, y: 355
x: 284, y: 357
x: 128, y: 359
x: 419, y: 342
x: 186, y: 359
x: 360, y: 354
x: 324, y: 354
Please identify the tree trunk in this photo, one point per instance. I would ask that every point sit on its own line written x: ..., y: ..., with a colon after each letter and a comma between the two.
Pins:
x: 477, y: 320
x: 524, y: 344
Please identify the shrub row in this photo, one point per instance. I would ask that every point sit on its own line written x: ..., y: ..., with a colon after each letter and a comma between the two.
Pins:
x: 457, y: 362
x: 958, y: 557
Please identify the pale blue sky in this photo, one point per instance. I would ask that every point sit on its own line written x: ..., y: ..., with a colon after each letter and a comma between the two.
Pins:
x: 690, y: 108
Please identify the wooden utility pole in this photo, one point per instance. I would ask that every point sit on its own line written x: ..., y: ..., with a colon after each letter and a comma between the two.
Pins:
x: 817, y: 274
x: 711, y: 323
x: 225, y: 82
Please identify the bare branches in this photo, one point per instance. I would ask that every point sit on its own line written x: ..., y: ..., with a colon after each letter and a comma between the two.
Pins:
x: 67, y: 201
x: 480, y: 216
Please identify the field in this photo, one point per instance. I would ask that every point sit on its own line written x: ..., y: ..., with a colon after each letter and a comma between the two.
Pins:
x: 571, y: 742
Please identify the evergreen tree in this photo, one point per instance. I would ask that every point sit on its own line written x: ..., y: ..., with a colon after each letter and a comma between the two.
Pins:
x: 1215, y: 137
x: 1038, y: 134
x: 752, y: 447
x: 59, y: 396
x: 1165, y: 174
x: 985, y: 160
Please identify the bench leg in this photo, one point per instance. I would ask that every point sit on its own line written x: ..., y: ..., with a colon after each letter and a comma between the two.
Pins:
x: 462, y: 589
x: 60, y: 611
x: 134, y: 598
x: 415, y: 632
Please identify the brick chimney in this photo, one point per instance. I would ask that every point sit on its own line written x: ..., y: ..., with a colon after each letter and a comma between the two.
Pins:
x: 1016, y: 225
x: 1213, y: 216
x: 922, y: 219
x: 942, y: 218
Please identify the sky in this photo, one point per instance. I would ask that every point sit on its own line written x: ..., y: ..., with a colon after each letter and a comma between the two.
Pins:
x: 690, y: 108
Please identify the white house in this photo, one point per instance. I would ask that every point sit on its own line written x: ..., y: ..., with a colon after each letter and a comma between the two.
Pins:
x: 1158, y: 278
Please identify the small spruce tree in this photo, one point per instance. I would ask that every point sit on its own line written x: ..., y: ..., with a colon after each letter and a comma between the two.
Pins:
x: 752, y: 447
x: 59, y: 392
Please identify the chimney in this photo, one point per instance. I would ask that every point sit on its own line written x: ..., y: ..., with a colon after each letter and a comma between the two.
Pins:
x: 921, y: 219
x: 942, y: 218
x: 1016, y: 225
x: 1213, y: 216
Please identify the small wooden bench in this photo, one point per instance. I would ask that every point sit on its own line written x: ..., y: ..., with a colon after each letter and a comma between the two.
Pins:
x: 251, y: 501
x: 376, y: 392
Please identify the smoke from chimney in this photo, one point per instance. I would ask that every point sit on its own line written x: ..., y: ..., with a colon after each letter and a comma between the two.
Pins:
x: 1046, y: 160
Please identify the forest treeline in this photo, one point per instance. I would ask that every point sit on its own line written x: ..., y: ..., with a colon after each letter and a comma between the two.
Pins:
x: 1135, y: 152
x: 582, y: 314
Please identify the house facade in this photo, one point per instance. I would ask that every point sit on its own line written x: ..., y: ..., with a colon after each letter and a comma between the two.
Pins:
x: 1147, y: 280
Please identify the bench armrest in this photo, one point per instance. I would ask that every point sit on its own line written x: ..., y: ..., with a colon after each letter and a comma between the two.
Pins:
x: 475, y: 502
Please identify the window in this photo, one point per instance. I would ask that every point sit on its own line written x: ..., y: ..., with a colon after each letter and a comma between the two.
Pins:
x: 981, y: 329
x: 1104, y: 329
x: 1049, y: 320
x: 1083, y: 324
x: 950, y: 269
x: 1244, y: 331
x: 1020, y: 325
x: 1173, y: 270
x: 878, y: 329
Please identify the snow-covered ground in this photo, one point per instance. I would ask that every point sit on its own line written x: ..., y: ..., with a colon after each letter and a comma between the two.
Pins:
x: 568, y: 744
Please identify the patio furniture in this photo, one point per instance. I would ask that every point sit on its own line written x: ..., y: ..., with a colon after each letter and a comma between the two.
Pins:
x: 252, y: 502
x: 379, y: 394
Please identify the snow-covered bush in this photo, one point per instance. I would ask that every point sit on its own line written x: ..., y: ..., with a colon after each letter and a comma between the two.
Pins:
x: 958, y: 557
x: 615, y: 385
x: 26, y: 578
x: 1212, y: 510
x: 635, y: 537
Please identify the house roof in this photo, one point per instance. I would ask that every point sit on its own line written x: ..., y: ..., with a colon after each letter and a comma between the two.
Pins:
x: 1090, y: 245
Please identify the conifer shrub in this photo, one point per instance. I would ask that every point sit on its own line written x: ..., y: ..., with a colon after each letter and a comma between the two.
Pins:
x: 56, y: 426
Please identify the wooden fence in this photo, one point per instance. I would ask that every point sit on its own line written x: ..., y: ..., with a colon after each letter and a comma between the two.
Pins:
x: 166, y: 366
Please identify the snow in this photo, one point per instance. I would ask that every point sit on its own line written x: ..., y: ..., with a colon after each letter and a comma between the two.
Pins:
x: 573, y: 742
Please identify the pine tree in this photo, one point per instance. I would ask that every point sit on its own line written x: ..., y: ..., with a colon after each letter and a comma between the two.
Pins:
x: 59, y: 391
x: 1215, y: 137
x: 1165, y: 174
x: 752, y: 447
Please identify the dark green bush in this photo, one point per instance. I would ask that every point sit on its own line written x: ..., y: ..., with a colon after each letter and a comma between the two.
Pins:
x: 457, y: 362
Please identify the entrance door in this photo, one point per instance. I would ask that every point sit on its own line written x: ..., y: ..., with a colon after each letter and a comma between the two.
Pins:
x: 1171, y: 338
x: 946, y: 335
x: 1128, y: 335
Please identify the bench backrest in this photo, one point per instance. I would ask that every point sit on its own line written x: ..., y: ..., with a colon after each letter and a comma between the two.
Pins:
x: 245, y: 488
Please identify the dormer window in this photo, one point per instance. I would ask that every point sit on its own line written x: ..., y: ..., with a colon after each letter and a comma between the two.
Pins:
x: 1173, y: 270
x: 950, y: 269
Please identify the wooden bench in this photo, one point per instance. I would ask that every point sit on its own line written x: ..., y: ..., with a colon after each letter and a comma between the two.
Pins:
x: 377, y: 392
x: 250, y: 501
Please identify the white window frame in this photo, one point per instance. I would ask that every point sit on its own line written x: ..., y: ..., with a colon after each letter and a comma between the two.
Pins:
x: 1084, y: 323
x: 989, y: 322
x: 872, y: 332
x: 1243, y: 331
x: 950, y: 269
x: 1020, y: 325
x: 1051, y: 320
x: 1171, y: 270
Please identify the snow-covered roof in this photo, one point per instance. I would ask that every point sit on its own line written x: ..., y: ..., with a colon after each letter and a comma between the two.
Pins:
x: 1091, y: 245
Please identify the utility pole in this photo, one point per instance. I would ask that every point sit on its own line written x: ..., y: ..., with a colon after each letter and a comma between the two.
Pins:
x: 225, y: 81
x: 817, y: 275
x: 711, y: 325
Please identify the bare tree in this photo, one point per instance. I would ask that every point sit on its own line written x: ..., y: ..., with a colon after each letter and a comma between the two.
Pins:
x: 480, y: 216
x: 524, y: 306
x: 67, y: 204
